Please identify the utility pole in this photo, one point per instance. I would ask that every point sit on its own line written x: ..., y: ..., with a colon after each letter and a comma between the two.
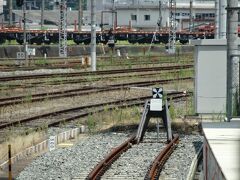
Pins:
x: 160, y: 15
x: 93, y: 34
x: 25, y: 33
x: 113, y: 14
x: 10, y: 13
x: 9, y: 163
x: 62, y: 28
x: 80, y: 15
x: 172, y: 27
x: 191, y: 16
x: 222, y: 19
x: 216, y: 36
x: 42, y: 13
x: 232, y: 59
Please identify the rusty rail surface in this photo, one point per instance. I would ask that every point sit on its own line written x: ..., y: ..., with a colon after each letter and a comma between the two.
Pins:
x: 105, y: 72
x: 99, y: 170
x: 81, y: 91
x: 160, y: 160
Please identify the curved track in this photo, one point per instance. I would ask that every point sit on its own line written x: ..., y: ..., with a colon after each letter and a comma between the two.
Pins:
x: 154, y: 170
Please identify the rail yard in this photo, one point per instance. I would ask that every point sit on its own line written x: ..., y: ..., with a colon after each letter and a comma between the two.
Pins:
x: 106, y: 106
x: 119, y: 90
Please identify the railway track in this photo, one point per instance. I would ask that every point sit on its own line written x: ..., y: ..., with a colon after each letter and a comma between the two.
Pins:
x: 82, y: 91
x: 78, y: 65
x: 129, y: 161
x: 107, y: 57
x: 104, y: 72
x: 66, y: 115
x: 57, y: 81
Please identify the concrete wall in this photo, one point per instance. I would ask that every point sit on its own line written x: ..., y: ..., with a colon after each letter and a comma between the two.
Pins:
x: 42, y: 146
x: 10, y: 51
x: 1, y: 6
x: 211, y: 169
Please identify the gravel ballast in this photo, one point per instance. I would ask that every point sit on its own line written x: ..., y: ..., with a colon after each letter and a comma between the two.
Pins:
x: 72, y: 162
x: 78, y: 161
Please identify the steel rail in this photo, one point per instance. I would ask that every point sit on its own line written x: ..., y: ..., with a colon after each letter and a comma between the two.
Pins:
x: 106, y: 72
x: 84, y: 110
x: 102, y: 166
x: 82, y: 91
x: 160, y: 160
x: 84, y: 79
x: 105, y: 57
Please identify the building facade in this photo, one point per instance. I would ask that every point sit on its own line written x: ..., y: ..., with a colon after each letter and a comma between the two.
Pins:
x: 147, y: 14
x: 140, y: 14
x: 1, y: 7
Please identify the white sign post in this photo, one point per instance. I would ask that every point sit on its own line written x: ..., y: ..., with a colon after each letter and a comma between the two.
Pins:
x: 31, y: 51
x: 20, y: 55
x: 156, y: 102
x: 20, y: 58
x: 52, y: 143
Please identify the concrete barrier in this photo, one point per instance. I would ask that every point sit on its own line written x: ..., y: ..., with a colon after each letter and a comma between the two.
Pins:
x: 74, y: 50
x: 42, y: 146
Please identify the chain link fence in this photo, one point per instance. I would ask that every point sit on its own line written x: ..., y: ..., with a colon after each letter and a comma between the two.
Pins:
x: 235, y: 86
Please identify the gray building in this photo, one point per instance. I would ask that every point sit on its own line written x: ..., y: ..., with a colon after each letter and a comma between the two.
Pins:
x: 146, y: 13
x: 141, y: 14
x: 1, y: 6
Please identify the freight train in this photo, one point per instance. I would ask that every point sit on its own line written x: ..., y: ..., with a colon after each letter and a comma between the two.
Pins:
x: 51, y: 36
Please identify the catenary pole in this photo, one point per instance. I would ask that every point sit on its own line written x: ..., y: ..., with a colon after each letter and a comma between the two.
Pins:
x: 80, y: 15
x: 25, y: 33
x: 10, y: 13
x: 93, y: 34
x: 42, y: 13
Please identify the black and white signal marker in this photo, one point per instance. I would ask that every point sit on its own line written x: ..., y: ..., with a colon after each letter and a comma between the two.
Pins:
x: 157, y: 93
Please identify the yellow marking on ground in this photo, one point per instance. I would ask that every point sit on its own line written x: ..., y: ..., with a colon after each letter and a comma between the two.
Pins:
x: 65, y: 145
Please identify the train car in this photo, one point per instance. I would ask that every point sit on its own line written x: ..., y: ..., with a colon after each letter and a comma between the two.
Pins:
x: 132, y: 36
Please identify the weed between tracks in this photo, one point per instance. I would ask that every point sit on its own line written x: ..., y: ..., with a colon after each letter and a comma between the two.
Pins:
x: 97, y: 121
x: 131, y: 115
